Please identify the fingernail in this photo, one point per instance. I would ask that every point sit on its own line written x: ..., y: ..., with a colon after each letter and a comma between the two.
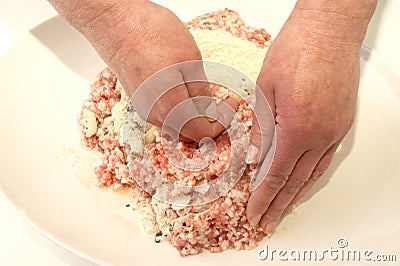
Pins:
x: 254, y: 220
x: 211, y: 112
x: 270, y: 228
x: 252, y: 154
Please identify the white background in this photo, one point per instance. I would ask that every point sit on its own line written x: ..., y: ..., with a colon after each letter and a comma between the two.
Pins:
x: 20, y: 244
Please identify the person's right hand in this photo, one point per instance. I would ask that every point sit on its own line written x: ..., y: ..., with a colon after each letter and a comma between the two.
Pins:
x: 139, y: 38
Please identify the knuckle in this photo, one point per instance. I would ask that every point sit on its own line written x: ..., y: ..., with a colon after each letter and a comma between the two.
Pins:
x: 294, y: 186
x: 213, y: 131
x: 275, y: 182
x: 320, y: 169
x: 260, y: 202
x: 272, y: 216
x: 317, y: 174
x: 325, y: 134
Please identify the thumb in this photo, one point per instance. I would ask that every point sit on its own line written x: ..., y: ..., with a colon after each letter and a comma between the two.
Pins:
x: 262, y: 136
x: 263, y: 127
x: 202, y: 92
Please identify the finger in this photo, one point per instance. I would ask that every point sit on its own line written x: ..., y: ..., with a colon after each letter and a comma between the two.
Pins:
x: 219, y: 116
x: 189, y: 122
x: 196, y: 80
x: 226, y: 110
x: 159, y: 94
x: 253, y: 155
x: 319, y: 170
x: 300, y: 174
x: 263, y: 126
x: 222, y: 111
x: 183, y: 121
x: 201, y: 127
x: 167, y: 102
x: 186, y: 120
x: 284, y: 161
x: 200, y: 88
x: 262, y: 139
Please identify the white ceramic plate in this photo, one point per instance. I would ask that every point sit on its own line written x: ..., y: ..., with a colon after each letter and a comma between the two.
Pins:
x: 47, y: 175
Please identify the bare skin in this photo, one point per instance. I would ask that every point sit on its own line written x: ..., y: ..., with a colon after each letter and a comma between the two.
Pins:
x: 137, y: 39
x: 310, y: 77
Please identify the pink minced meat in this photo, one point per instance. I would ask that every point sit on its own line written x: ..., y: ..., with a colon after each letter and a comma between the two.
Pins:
x: 230, y: 21
x: 216, y: 226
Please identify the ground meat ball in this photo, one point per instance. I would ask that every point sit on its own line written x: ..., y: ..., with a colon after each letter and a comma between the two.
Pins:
x: 215, y: 226
x: 230, y: 21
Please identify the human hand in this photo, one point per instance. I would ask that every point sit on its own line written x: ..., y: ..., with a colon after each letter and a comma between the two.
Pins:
x: 310, y: 78
x: 139, y: 38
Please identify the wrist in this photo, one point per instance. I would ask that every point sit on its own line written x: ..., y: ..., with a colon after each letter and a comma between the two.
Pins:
x: 105, y: 23
x: 342, y: 20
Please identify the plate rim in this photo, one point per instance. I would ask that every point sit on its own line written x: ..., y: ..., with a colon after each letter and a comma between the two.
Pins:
x: 369, y: 54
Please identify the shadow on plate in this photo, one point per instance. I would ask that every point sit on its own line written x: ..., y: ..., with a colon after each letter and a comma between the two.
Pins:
x: 70, y: 47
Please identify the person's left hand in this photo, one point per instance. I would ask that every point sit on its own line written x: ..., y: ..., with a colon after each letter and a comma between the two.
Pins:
x: 311, y: 85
